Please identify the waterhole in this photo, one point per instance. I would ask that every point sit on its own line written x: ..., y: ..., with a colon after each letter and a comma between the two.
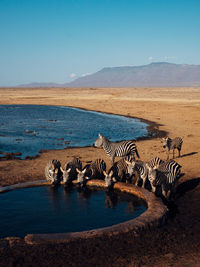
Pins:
x: 45, y: 209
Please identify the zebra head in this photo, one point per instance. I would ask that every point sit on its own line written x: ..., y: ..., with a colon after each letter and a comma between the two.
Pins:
x: 109, y: 179
x: 81, y: 177
x: 66, y: 175
x: 53, y: 172
x: 54, y: 176
x: 99, y: 141
x: 130, y: 167
x: 152, y: 175
x: 165, y: 141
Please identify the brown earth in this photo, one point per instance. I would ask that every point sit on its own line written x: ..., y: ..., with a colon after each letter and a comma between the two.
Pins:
x: 173, y: 110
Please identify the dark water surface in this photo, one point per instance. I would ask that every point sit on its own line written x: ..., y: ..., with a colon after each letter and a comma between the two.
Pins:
x: 30, y: 128
x: 48, y: 210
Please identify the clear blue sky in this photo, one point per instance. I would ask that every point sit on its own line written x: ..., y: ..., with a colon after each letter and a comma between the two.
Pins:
x: 60, y: 40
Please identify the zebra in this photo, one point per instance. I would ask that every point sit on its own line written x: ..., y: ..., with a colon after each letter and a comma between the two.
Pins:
x: 142, y: 169
x: 91, y: 171
x: 166, y: 176
x: 53, y: 172
x: 118, y: 172
x: 116, y: 149
x: 69, y: 172
x: 173, y: 144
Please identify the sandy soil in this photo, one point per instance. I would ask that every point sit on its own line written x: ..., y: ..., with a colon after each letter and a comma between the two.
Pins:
x: 175, y: 111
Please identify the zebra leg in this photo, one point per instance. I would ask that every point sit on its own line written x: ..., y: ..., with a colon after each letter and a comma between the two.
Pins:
x: 164, y: 193
x: 179, y: 153
x: 112, y: 158
x: 173, y: 190
x: 144, y: 181
x: 138, y: 181
x: 168, y: 195
x: 153, y: 188
x: 168, y: 154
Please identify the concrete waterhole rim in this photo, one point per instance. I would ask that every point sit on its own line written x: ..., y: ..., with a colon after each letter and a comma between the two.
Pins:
x: 154, y: 216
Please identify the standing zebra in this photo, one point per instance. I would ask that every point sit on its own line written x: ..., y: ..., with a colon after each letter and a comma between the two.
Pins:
x: 116, y: 149
x: 118, y: 172
x: 53, y: 172
x: 166, y: 176
x: 173, y: 144
x: 70, y: 172
x: 91, y: 171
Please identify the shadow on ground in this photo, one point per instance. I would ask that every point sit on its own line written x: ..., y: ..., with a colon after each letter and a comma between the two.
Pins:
x: 187, y: 186
x: 188, y: 154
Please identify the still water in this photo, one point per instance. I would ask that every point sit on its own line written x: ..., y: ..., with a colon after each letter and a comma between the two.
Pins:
x: 27, y: 129
x: 48, y: 210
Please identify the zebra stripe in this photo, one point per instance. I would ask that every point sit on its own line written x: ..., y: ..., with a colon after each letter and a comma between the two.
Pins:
x: 155, y: 162
x: 173, y: 144
x: 116, y: 149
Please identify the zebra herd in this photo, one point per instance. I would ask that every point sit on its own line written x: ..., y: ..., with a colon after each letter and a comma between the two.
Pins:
x: 157, y: 172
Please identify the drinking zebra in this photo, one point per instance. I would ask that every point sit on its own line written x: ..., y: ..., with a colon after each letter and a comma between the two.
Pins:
x: 116, y: 149
x: 69, y: 172
x: 173, y: 144
x: 118, y: 172
x: 53, y: 172
x: 166, y: 176
x: 93, y: 170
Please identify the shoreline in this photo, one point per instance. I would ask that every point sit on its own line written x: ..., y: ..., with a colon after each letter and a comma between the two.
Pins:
x: 152, y: 132
x: 176, y: 112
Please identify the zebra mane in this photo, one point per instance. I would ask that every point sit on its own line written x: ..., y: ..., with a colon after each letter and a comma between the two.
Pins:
x: 105, y: 139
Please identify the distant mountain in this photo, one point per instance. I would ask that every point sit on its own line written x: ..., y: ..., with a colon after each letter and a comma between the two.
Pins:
x: 153, y: 75
x: 37, y: 84
x: 159, y: 74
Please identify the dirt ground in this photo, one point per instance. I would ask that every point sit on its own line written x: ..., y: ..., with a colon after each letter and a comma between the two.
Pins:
x: 175, y: 111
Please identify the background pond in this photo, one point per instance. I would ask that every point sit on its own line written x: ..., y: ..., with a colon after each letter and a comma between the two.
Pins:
x: 29, y: 128
x: 48, y: 210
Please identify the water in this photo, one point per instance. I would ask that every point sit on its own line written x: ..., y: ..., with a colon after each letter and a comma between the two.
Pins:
x: 30, y: 128
x: 47, y: 210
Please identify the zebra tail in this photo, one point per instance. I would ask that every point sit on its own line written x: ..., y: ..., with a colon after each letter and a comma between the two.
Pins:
x: 137, y: 153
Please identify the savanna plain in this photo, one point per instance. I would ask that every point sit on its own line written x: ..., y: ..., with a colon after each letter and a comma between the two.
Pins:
x: 169, y: 111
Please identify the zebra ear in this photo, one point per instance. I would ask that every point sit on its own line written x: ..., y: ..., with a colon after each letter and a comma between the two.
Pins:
x: 128, y: 162
x: 78, y: 170
x: 114, y: 179
x: 104, y: 173
x: 84, y: 171
x: 61, y: 169
x: 111, y: 173
x: 69, y: 170
x: 100, y: 135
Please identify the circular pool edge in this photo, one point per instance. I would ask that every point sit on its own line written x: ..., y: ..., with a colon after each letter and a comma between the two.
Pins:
x: 154, y: 216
